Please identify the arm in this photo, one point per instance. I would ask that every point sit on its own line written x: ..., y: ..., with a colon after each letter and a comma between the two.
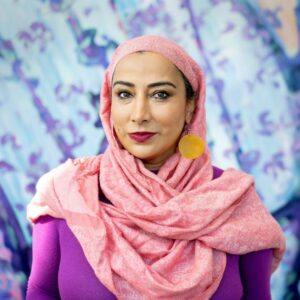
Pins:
x: 255, y: 269
x: 43, y: 279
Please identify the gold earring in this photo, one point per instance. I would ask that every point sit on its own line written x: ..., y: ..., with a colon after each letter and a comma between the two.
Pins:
x: 191, y: 146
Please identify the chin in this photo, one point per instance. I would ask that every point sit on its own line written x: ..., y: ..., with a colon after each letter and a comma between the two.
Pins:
x: 144, y: 156
x: 151, y: 157
x: 150, y: 153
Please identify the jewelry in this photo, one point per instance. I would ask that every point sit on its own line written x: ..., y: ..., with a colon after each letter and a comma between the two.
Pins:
x: 191, y: 146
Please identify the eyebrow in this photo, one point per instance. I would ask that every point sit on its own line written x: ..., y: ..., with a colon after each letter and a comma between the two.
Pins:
x: 151, y: 85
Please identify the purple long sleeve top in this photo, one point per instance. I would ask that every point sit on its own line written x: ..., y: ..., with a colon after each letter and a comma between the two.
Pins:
x: 61, y: 271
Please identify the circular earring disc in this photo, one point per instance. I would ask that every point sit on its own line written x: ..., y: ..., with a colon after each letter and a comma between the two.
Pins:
x: 191, y: 146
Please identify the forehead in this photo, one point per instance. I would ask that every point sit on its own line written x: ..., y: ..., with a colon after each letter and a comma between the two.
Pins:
x: 145, y: 65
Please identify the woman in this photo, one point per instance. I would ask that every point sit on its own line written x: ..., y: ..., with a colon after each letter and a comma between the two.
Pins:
x: 151, y: 218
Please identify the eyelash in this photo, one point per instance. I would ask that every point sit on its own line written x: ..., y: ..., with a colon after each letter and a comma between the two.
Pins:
x: 121, y: 92
x: 166, y: 95
x: 155, y: 95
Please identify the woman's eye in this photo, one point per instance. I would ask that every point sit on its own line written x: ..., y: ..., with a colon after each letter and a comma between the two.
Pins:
x: 123, y: 95
x: 161, y: 95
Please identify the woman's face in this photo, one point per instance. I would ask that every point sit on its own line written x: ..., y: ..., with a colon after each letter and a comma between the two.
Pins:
x: 148, y: 96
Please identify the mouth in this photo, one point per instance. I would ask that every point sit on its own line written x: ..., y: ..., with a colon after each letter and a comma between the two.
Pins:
x: 141, y: 136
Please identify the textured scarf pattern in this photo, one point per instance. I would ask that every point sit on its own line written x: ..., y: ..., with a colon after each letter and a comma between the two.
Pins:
x: 166, y: 235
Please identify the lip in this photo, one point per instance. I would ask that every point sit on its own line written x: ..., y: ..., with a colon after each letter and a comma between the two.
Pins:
x: 141, y: 136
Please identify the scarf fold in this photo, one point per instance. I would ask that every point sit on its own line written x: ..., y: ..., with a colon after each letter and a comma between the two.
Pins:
x: 167, y: 234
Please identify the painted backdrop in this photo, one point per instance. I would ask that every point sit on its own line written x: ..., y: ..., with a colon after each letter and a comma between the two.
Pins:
x: 52, y: 58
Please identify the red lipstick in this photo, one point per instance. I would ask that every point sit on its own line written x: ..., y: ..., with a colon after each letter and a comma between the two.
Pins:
x: 141, y: 136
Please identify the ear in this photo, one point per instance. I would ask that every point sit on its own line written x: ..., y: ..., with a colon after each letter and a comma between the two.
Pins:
x: 189, y: 110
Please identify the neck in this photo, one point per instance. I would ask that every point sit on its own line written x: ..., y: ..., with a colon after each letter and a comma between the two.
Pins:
x: 156, y: 163
x: 152, y: 166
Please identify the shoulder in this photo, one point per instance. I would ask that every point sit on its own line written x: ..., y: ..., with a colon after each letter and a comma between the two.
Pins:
x: 69, y: 170
x: 232, y: 175
x: 260, y: 256
x: 59, y: 187
x: 255, y: 270
x: 46, y: 219
x: 256, y: 262
x: 46, y: 225
x: 49, y: 224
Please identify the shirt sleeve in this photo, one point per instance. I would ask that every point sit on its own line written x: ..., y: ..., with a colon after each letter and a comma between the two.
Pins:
x: 43, y: 279
x: 256, y: 269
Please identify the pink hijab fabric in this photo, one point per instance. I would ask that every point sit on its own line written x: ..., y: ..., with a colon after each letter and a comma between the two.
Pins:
x: 166, y: 235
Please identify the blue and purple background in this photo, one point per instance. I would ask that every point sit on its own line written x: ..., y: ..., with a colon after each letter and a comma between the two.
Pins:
x: 53, y: 54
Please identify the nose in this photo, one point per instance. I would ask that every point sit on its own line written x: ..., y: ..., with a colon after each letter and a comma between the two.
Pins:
x: 140, y: 110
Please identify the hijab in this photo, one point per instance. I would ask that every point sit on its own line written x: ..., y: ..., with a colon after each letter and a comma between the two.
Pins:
x: 167, y: 234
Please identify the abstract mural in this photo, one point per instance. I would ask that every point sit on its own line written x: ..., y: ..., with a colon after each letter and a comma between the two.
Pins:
x: 53, y: 54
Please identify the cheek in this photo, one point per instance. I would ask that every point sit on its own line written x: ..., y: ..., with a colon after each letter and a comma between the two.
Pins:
x: 172, y: 116
x: 118, y: 117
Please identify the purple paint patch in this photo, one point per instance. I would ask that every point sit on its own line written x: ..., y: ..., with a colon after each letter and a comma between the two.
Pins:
x: 85, y: 115
x: 272, y: 17
x: 20, y: 207
x: 64, y: 93
x: 30, y: 188
x: 10, y: 138
x: 233, y: 150
x: 249, y: 160
x: 268, y: 126
x: 275, y: 165
x: 295, y: 148
x: 229, y: 27
x: 6, y: 167
x: 34, y: 157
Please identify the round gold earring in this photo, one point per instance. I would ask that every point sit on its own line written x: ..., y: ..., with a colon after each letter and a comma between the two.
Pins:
x: 191, y: 146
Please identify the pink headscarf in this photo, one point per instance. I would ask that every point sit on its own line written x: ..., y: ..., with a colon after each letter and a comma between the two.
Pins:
x: 165, y: 236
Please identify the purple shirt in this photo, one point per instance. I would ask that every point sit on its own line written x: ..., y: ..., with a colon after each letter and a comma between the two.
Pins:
x: 61, y: 271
